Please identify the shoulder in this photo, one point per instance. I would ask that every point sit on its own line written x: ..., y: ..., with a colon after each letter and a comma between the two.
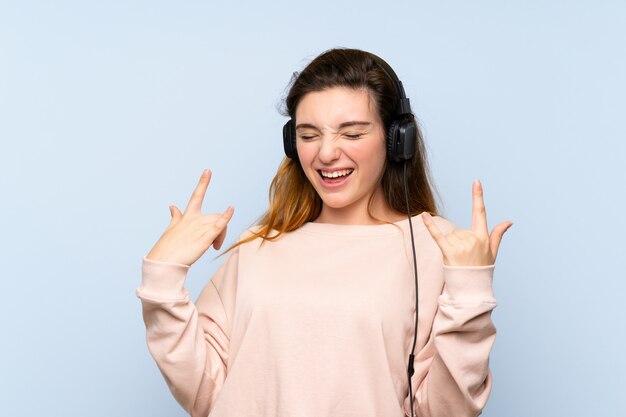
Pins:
x: 250, y: 232
x: 252, y: 237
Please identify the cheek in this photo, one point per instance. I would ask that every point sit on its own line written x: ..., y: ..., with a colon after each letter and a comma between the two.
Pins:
x: 306, y: 153
x: 370, y: 156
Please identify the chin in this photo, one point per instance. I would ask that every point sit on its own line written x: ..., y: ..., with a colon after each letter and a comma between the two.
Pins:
x: 337, y: 202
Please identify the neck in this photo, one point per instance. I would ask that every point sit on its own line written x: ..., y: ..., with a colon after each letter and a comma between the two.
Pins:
x: 358, y: 214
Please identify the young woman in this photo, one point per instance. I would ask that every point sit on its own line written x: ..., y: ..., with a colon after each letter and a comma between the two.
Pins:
x: 313, y: 313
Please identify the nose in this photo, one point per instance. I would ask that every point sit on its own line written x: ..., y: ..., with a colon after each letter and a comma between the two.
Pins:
x: 329, y: 149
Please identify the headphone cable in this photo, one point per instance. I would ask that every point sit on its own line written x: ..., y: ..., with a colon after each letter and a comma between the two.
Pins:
x: 411, y: 370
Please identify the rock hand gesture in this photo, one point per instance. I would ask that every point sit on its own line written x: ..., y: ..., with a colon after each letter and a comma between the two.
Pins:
x: 474, y: 247
x: 190, y: 234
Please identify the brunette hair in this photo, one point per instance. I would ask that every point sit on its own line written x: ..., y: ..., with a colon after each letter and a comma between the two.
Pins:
x: 292, y: 199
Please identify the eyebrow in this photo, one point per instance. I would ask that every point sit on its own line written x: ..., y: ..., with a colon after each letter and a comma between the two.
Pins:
x: 344, y: 124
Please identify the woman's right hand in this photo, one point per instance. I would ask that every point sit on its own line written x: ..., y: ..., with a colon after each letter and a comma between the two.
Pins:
x: 190, y: 234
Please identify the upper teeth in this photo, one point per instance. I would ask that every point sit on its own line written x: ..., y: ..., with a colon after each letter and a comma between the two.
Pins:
x: 336, y: 174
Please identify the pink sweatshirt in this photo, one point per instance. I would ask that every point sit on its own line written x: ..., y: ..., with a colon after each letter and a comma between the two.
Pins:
x: 320, y: 323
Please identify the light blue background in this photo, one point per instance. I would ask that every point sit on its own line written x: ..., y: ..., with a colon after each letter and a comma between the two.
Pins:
x: 109, y: 111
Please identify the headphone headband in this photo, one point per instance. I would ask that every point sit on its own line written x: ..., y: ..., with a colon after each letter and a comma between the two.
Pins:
x: 404, y: 106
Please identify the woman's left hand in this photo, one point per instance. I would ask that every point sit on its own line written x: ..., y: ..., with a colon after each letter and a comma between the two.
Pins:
x: 474, y: 247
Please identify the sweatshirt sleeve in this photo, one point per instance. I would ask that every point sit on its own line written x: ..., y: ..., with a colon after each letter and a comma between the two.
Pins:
x: 189, y: 342
x: 452, y: 372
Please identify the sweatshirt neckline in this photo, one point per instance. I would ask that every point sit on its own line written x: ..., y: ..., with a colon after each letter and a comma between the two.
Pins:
x: 363, y: 229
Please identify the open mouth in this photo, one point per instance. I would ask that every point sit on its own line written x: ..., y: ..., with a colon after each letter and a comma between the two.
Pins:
x: 334, y: 177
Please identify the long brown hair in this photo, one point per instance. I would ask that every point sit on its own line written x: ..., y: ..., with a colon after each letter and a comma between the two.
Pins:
x: 292, y: 199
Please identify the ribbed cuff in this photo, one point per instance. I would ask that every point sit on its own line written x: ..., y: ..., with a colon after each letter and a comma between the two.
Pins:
x: 162, y: 280
x: 469, y: 283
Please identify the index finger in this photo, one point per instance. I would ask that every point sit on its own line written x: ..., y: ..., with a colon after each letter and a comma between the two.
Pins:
x: 195, y: 202
x: 479, y: 213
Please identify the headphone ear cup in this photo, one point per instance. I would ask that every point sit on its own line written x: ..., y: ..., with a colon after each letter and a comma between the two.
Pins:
x: 392, y: 141
x: 289, y: 140
x: 401, y: 140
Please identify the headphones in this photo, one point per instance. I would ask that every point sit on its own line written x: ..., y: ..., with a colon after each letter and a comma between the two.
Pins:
x: 400, y: 136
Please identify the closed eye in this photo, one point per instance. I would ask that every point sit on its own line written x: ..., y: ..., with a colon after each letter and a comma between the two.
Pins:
x: 355, y: 136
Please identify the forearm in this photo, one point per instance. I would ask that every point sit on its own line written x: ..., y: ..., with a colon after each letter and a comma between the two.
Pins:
x: 458, y: 379
x: 191, y: 355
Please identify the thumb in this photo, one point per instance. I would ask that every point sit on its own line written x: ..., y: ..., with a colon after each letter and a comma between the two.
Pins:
x: 176, y: 214
x: 496, y: 237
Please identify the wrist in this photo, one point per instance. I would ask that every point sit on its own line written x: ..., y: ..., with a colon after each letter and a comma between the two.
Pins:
x: 163, y: 280
x: 469, y: 282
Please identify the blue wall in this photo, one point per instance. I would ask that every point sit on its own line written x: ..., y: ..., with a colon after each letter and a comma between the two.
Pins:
x: 109, y: 111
